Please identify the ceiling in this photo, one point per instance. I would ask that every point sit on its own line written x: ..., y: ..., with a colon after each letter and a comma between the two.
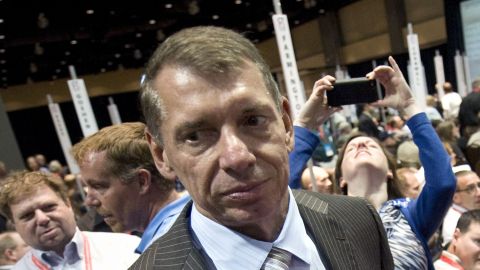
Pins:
x: 40, y: 39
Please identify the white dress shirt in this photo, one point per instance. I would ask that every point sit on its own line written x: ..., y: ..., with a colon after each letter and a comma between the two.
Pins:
x: 450, y: 222
x: 231, y: 250
x: 99, y: 250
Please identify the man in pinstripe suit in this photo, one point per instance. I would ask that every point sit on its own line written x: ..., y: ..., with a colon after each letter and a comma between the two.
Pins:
x: 216, y: 120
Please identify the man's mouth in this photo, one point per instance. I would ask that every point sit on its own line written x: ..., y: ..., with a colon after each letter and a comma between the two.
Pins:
x: 245, y: 192
x: 48, y: 233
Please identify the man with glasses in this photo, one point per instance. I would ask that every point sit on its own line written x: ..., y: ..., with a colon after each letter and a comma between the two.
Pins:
x: 467, y: 197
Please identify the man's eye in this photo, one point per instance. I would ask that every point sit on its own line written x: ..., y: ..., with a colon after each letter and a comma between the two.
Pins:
x: 255, y: 120
x: 96, y: 186
x: 49, y: 207
x: 200, y: 137
x: 469, y: 188
x: 27, y: 216
x: 476, y: 241
x: 192, y: 137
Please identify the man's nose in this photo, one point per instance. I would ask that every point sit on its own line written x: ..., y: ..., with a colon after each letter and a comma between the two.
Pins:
x: 235, y: 154
x: 41, y: 217
x: 91, y: 199
x: 328, y: 182
x: 477, y: 189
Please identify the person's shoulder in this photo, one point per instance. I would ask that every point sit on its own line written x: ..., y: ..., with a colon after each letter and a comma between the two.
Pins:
x: 307, y: 198
x: 113, y: 237
x: 24, y: 262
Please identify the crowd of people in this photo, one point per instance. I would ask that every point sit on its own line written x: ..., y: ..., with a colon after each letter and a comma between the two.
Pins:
x: 220, y: 176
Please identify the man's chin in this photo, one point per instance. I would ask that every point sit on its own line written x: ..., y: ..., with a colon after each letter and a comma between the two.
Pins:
x: 115, y: 225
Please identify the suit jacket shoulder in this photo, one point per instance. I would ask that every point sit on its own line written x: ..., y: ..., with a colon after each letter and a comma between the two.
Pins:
x: 174, y: 250
x: 347, y: 232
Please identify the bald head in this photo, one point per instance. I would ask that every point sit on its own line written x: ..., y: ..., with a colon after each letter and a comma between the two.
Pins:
x: 323, y: 182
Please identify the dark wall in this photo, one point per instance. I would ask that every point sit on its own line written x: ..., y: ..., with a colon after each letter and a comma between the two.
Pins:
x: 35, y: 132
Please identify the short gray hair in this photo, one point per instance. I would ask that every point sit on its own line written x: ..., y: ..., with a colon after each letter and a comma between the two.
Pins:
x: 207, y: 51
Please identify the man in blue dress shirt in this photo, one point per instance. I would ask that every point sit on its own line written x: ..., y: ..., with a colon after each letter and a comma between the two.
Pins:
x: 123, y: 184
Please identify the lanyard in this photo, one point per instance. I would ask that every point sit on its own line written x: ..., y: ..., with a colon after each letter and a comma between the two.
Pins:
x: 86, y: 252
x: 451, y: 262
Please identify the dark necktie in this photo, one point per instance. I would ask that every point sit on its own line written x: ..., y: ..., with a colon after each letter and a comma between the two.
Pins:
x: 277, y: 259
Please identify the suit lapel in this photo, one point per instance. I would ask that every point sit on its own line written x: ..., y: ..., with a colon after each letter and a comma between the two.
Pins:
x: 328, y: 234
x: 176, y: 248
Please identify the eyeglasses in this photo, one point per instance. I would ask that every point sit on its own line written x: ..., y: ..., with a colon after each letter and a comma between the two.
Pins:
x: 470, y: 188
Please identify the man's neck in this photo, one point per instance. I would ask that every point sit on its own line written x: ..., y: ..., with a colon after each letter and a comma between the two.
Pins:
x: 269, y: 227
x: 158, y: 203
x: 264, y: 228
x: 5, y: 262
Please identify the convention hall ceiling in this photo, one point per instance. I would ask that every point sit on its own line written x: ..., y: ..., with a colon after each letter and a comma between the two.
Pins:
x: 40, y: 39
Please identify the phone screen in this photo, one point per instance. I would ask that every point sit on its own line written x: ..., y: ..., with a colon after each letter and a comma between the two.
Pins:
x: 352, y: 91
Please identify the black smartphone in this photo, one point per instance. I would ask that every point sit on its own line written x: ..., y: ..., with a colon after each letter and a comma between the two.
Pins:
x: 352, y: 91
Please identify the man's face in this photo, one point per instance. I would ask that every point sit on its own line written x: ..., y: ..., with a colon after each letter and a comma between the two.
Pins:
x: 468, y: 192
x: 228, y: 144
x: 363, y: 152
x: 467, y: 246
x: 32, y: 164
x: 40, y: 160
x: 44, y: 220
x: 412, y: 186
x: 324, y: 184
x: 109, y: 194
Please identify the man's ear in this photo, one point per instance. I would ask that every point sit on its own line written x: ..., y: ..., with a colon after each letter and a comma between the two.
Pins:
x: 144, y: 180
x: 343, y: 183
x: 456, y: 235
x: 310, y: 186
x: 456, y: 198
x: 389, y: 174
x: 288, y: 123
x: 159, y: 156
x: 10, y: 254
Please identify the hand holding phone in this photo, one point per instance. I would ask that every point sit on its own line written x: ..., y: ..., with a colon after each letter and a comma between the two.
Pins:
x: 352, y: 91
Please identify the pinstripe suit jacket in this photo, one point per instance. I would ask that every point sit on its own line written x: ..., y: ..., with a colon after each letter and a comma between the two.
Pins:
x: 347, y: 231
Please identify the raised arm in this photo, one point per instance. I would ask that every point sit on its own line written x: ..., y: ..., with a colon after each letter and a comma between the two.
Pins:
x: 428, y: 210
x: 314, y: 112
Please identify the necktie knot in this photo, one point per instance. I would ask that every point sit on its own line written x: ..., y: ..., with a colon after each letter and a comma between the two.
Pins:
x: 277, y: 259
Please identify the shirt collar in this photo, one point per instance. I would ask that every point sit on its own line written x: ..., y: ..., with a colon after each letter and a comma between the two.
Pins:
x: 171, y: 209
x: 243, y: 251
x: 459, y: 208
x: 451, y: 256
x: 73, y: 252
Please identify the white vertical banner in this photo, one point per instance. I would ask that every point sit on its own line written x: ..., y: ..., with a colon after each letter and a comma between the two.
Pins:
x: 81, y: 101
x: 410, y: 73
x: 460, y: 74
x: 62, y: 134
x: 339, y: 73
x: 289, y: 65
x: 439, y: 74
x: 113, y: 112
x: 417, y: 73
x: 468, y: 76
